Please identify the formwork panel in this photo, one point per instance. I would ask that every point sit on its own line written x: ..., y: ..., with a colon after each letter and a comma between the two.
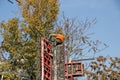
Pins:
x: 46, y: 60
x: 73, y: 69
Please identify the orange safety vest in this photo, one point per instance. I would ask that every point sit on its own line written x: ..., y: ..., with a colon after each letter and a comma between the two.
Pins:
x: 59, y: 36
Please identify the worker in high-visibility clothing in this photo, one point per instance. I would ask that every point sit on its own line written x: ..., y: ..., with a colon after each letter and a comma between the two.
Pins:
x: 55, y: 40
x: 58, y: 38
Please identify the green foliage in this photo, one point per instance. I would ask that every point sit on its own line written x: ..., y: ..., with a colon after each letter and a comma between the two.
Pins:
x: 39, y: 15
x: 20, y: 36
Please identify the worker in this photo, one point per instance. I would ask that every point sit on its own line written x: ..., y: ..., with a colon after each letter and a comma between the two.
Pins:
x: 57, y: 38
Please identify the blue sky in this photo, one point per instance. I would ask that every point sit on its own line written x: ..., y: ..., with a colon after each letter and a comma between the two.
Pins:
x: 106, y: 12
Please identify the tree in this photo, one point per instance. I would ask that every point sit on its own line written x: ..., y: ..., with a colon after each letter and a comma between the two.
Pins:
x: 104, y: 69
x: 77, y: 38
x: 20, y: 35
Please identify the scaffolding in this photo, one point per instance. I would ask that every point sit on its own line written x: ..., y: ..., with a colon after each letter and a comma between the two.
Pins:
x: 73, y: 69
x: 53, y: 66
x: 46, y: 60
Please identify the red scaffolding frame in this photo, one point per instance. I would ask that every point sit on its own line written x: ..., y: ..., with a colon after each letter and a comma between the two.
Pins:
x: 46, y: 60
x: 73, y: 69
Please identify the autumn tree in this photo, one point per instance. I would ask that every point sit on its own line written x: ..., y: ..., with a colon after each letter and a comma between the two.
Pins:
x: 104, y: 68
x: 21, y: 35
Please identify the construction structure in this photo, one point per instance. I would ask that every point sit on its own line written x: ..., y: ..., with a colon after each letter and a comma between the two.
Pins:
x: 46, y: 60
x: 73, y: 69
x: 53, y: 66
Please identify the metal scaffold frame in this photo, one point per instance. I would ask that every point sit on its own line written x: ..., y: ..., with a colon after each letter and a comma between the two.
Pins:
x: 73, y: 69
x: 46, y: 60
